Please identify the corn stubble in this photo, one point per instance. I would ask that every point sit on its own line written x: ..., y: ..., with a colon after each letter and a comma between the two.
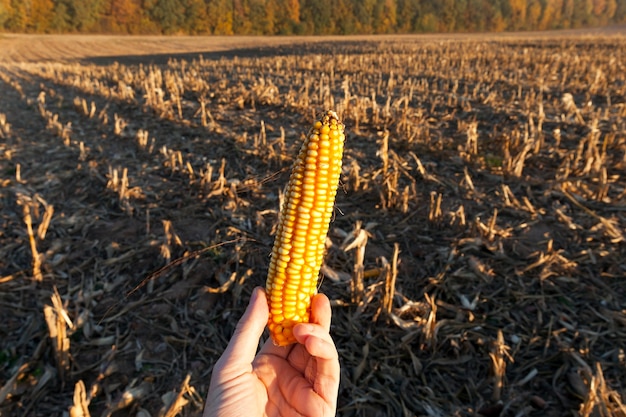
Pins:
x: 298, y: 249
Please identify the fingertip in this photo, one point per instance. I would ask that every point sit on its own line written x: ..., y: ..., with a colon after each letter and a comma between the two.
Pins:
x: 257, y: 306
x: 321, y: 311
x: 321, y: 297
x: 258, y: 296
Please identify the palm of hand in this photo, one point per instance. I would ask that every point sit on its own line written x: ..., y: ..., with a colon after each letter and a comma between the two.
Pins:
x: 291, y: 379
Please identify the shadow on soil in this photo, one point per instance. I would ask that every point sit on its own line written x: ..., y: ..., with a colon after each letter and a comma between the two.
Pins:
x: 297, y: 48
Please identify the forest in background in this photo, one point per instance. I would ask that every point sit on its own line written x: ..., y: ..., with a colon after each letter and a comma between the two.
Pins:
x: 303, y: 17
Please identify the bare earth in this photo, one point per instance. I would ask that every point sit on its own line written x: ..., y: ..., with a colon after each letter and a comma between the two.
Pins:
x: 476, y: 261
x: 31, y: 48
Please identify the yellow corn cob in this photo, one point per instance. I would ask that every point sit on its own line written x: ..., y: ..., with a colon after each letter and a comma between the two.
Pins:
x: 303, y: 223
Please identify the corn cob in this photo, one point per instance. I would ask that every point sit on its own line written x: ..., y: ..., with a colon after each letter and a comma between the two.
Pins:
x: 303, y: 224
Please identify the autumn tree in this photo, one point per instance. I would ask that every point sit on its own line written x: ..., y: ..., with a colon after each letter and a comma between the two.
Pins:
x: 79, y: 15
x: 518, y: 14
x: 18, y: 19
x: 581, y: 13
x: 611, y: 8
x: 620, y: 12
x: 363, y: 13
x: 407, y: 13
x: 533, y: 13
x: 220, y: 17
x: 604, y: 10
x: 284, y: 17
x: 41, y: 13
x: 347, y: 24
x: 450, y: 14
x: 169, y: 15
x: 317, y: 15
x: 566, y: 14
x: 492, y: 16
x: 496, y: 22
x: 287, y: 16
x: 476, y: 15
x: 195, y: 19
x: 5, y: 12
x: 385, y: 16
x: 598, y: 7
x: 241, y: 17
x: 124, y: 16
x: 263, y: 16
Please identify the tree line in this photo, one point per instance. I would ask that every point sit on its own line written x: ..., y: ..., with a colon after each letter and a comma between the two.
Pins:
x: 303, y: 17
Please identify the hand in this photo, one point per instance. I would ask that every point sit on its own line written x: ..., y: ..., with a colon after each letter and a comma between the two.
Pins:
x: 301, y: 379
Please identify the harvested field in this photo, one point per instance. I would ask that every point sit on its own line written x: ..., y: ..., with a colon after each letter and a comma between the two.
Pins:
x: 476, y: 262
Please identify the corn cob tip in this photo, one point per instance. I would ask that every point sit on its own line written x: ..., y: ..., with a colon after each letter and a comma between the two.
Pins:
x: 298, y: 249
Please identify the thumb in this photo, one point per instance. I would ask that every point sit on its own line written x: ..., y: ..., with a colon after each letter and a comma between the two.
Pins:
x: 243, y: 345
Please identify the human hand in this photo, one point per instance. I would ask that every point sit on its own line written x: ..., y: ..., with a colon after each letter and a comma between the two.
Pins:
x: 301, y: 379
